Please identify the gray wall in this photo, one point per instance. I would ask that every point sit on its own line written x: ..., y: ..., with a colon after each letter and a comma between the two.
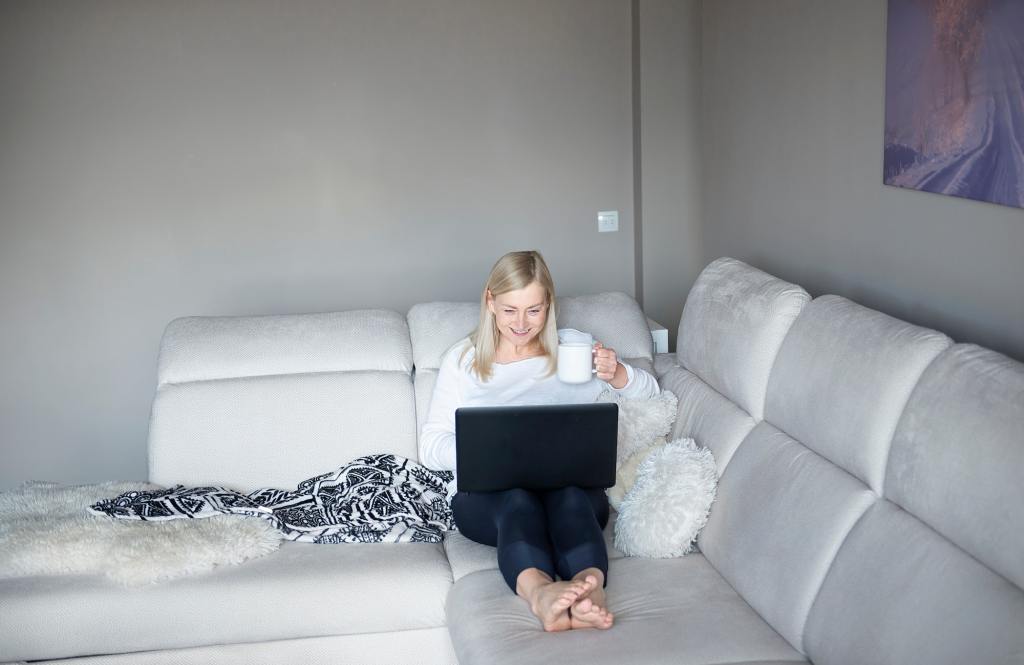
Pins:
x: 161, y: 159
x: 670, y: 155
x: 164, y: 159
x: 793, y: 126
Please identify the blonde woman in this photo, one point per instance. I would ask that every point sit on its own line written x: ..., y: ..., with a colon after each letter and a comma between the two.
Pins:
x: 511, y: 359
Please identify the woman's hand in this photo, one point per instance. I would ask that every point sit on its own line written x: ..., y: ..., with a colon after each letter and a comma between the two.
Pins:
x: 608, y: 367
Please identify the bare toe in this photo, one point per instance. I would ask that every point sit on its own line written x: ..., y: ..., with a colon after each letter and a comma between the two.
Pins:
x: 551, y: 604
x: 588, y: 612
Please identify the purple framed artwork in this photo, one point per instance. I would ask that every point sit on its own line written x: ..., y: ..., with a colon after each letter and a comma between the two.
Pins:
x: 954, y: 98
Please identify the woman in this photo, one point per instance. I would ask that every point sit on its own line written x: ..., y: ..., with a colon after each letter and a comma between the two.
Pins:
x: 511, y: 359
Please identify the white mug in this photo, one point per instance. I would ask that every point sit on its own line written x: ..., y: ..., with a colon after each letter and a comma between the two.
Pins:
x: 575, y: 362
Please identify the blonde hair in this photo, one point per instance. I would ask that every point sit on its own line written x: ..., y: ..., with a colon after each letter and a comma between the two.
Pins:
x: 514, y: 271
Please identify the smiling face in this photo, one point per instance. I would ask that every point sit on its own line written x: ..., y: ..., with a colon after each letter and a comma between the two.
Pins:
x: 519, y: 315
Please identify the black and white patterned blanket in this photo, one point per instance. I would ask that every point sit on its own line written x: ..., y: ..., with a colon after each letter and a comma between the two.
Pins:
x: 373, y: 499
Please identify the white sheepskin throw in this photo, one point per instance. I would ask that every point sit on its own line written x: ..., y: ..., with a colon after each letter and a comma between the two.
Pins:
x: 643, y: 425
x: 668, y: 504
x: 46, y: 529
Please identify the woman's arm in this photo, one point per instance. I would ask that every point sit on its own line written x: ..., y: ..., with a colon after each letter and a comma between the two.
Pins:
x: 640, y: 384
x: 437, y: 439
x: 624, y: 379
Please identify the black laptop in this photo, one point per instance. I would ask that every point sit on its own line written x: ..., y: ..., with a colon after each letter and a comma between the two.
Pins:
x: 535, y: 447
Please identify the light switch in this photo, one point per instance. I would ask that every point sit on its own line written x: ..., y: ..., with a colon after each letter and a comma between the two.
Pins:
x: 607, y: 221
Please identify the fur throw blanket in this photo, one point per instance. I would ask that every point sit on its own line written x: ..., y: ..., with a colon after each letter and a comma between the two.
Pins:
x: 373, y: 499
x: 45, y: 529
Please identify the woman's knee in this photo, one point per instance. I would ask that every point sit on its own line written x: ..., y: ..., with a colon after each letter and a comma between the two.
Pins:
x: 473, y: 514
x: 571, y: 499
x: 574, y: 501
x: 520, y: 501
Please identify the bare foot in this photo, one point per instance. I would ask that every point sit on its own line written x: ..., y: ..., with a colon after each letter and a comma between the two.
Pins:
x: 551, y: 602
x: 590, y: 610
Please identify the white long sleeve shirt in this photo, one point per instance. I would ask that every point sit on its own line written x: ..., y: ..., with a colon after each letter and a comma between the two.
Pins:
x: 519, y: 382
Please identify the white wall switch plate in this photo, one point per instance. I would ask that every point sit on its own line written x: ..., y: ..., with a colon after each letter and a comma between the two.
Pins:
x: 607, y: 221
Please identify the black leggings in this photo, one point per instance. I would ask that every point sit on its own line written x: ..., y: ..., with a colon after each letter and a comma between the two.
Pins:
x: 557, y: 531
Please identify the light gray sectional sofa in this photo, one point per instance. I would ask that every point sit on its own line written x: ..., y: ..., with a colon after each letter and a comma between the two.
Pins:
x: 870, y: 507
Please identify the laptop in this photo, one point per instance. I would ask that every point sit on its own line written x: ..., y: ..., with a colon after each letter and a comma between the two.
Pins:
x: 535, y: 447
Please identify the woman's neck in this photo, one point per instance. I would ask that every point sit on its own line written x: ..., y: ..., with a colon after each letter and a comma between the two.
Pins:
x: 509, y: 353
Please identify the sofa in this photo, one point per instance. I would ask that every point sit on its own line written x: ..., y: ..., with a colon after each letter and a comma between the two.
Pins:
x: 869, y: 510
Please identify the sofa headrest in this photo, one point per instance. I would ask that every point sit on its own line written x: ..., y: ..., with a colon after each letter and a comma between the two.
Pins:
x: 613, y: 318
x: 732, y: 326
x: 435, y: 326
x: 224, y: 347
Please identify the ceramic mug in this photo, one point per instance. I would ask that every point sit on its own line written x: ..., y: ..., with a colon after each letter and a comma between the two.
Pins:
x: 575, y: 362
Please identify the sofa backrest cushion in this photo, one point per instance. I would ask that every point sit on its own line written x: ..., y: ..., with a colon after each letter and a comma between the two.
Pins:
x: 841, y: 380
x: 933, y: 572
x: 705, y: 416
x: 874, y: 514
x: 248, y: 402
x: 958, y: 456
x: 798, y: 484
x: 779, y: 516
x: 613, y: 318
x: 732, y: 326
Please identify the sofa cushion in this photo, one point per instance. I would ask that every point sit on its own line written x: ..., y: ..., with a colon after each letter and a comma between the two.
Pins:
x: 275, y: 431
x: 427, y: 646
x: 301, y: 590
x: 258, y: 401
x: 424, y: 647
x: 733, y: 324
x: 841, y: 380
x: 933, y: 573
x: 958, y: 455
x: 676, y: 611
x: 705, y: 416
x: 423, y: 385
x: 899, y: 593
x: 466, y: 556
x: 781, y: 513
x: 202, y: 348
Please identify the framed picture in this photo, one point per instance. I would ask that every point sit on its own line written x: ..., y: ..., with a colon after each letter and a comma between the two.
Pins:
x: 954, y: 98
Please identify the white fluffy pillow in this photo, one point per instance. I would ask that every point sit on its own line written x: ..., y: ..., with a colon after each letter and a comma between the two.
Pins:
x: 643, y: 425
x: 668, y: 504
x: 642, y: 421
